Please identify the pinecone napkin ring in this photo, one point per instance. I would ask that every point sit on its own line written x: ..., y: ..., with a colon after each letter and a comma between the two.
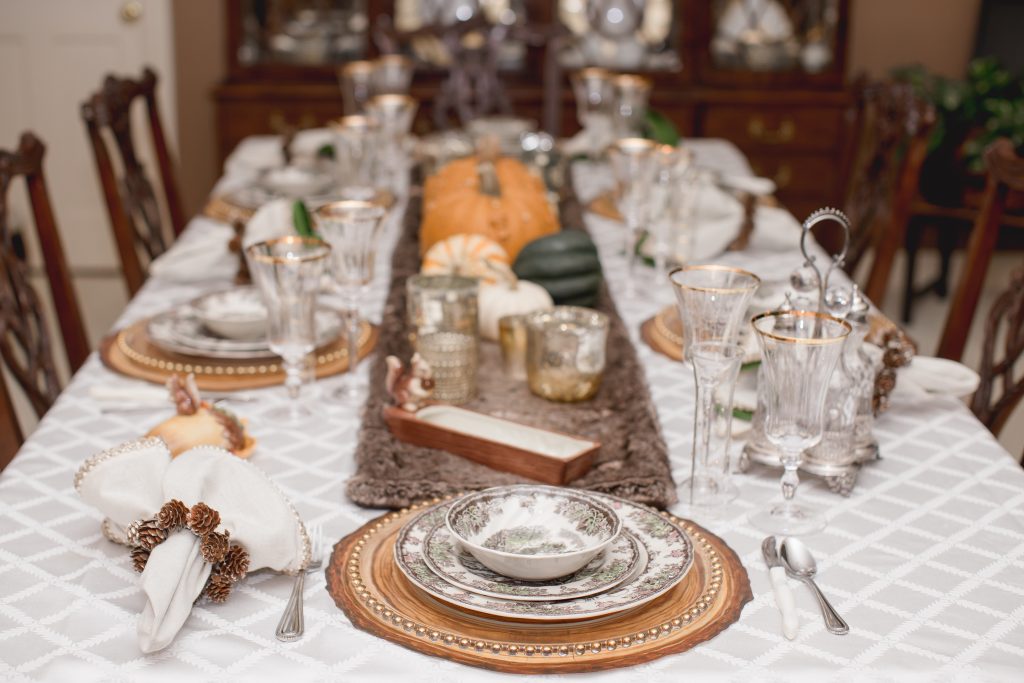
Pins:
x: 230, y: 560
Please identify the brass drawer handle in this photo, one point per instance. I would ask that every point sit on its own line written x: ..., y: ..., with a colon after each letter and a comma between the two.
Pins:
x: 784, y: 133
x: 783, y: 176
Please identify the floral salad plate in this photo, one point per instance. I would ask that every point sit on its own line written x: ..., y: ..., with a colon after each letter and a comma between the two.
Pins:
x: 180, y: 330
x: 452, y: 563
x: 668, y: 550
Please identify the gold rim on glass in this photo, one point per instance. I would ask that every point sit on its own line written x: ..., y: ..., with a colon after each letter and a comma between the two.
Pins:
x: 353, y: 122
x: 358, y: 67
x: 392, y: 99
x: 594, y: 73
x: 631, y: 146
x: 632, y: 81
x: 324, y: 248
x: 847, y: 328
x: 357, y: 209
x: 384, y: 60
x: 712, y: 267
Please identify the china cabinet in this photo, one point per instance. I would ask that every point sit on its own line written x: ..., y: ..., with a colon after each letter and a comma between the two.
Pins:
x: 767, y: 75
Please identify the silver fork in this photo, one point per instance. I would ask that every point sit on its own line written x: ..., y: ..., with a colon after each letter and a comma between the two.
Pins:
x: 292, y: 626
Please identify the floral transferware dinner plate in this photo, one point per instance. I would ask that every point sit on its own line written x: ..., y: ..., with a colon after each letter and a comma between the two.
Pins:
x: 453, y: 564
x: 181, y: 331
x: 669, y: 557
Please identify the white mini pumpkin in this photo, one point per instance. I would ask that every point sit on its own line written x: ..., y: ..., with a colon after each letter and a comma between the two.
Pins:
x: 509, y: 297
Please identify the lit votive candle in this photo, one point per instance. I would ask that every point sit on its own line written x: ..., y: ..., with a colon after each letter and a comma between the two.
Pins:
x: 565, y: 352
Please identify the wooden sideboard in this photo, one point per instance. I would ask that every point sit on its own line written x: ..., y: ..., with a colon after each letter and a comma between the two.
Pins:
x: 793, y: 126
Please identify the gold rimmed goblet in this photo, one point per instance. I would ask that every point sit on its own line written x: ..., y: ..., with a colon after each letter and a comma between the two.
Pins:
x: 287, y: 270
x: 799, y: 352
x: 352, y: 228
x: 712, y: 301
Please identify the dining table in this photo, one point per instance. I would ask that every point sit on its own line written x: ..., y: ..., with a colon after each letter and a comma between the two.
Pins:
x: 924, y: 559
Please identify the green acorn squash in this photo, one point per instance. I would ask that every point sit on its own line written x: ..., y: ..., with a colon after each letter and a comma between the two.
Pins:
x: 566, y: 264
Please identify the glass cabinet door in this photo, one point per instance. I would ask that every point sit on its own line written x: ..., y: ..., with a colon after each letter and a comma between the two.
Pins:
x: 434, y: 52
x: 623, y: 35
x: 302, y: 32
x: 766, y: 36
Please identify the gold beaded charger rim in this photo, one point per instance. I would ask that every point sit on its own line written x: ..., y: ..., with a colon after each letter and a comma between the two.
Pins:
x: 367, y: 585
x: 664, y: 331
x: 131, y: 352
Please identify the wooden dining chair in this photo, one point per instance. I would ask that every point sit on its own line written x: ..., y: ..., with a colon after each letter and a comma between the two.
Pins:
x: 1005, y: 176
x: 1004, y: 329
x: 131, y: 202
x: 25, y: 346
x: 893, y: 126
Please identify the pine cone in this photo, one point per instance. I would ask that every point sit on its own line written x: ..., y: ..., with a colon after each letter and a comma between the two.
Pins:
x: 131, y: 533
x: 146, y: 534
x: 218, y: 588
x: 214, y: 547
x: 235, y: 564
x: 172, y: 515
x: 202, y: 519
x: 140, y: 556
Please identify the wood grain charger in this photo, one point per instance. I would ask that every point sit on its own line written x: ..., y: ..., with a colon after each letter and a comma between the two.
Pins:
x: 368, y: 586
x: 131, y: 352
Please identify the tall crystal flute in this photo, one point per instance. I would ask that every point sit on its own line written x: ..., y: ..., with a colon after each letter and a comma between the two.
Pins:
x: 633, y: 163
x: 394, y: 115
x: 287, y: 270
x: 356, y: 156
x: 669, y: 206
x: 799, y: 352
x: 713, y: 303
x: 352, y: 228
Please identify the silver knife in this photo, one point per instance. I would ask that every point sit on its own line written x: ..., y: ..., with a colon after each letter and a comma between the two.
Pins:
x: 780, y: 586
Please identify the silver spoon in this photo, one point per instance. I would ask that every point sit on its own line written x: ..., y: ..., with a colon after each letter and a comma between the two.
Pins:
x: 800, y: 564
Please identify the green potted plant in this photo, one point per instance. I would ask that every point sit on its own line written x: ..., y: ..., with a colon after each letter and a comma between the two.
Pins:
x: 987, y: 104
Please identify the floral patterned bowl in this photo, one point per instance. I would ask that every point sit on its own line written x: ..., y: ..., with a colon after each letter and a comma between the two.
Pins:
x: 533, y: 532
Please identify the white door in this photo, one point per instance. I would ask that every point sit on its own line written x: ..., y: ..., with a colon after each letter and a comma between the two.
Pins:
x: 53, y: 55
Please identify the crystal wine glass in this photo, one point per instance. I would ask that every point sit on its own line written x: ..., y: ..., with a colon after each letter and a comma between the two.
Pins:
x: 352, y: 228
x: 799, y: 351
x: 287, y: 270
x: 356, y: 154
x: 392, y: 74
x: 713, y: 302
x: 670, y: 192
x: 633, y: 163
x: 595, y: 96
x: 631, y: 98
x: 356, y: 82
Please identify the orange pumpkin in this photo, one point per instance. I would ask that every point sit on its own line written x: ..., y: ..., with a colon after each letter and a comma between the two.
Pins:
x: 501, y: 200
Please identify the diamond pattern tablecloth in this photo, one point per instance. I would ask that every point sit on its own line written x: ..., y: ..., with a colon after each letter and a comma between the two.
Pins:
x: 925, y: 559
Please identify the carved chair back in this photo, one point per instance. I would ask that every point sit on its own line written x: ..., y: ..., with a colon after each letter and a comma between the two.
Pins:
x: 892, y: 141
x: 131, y: 201
x: 25, y: 346
x: 1005, y: 183
x: 1004, y: 328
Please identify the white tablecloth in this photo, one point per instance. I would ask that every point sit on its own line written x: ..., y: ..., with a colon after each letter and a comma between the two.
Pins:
x: 925, y: 559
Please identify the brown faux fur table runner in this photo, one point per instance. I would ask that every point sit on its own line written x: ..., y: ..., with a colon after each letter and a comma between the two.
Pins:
x: 632, y: 461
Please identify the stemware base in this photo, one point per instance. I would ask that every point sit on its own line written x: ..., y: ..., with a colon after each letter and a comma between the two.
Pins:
x: 347, y: 394
x: 707, y: 495
x: 290, y: 413
x: 788, y: 519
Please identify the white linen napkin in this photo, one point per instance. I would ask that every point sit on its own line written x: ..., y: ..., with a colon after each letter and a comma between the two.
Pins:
x: 134, y: 480
x: 263, y: 152
x: 273, y: 219
x: 203, y: 254
x: 200, y: 254
x: 113, y: 395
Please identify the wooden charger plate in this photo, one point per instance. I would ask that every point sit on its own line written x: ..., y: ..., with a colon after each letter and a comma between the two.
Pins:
x: 368, y: 586
x: 131, y: 352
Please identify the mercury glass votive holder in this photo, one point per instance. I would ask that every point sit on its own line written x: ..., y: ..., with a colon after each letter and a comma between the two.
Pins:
x: 453, y: 362
x: 512, y: 337
x: 565, y: 352
x: 442, y: 303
